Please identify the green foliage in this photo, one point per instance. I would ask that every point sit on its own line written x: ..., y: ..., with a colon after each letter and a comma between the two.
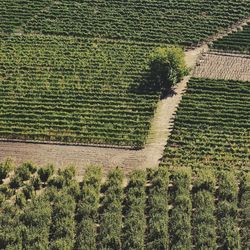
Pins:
x: 157, y: 236
x: 6, y: 190
x: 36, y: 220
x: 227, y: 213
x: 180, y: 215
x: 28, y: 191
x: 5, y: 168
x: 56, y: 181
x: 205, y: 132
x: 237, y: 41
x: 16, y: 182
x: 21, y: 200
x: 45, y: 173
x: 99, y: 107
x: 68, y: 174
x: 25, y: 171
x: 245, y: 211
x: 62, y: 230
x: 36, y: 182
x: 134, y: 211
x: 10, y: 227
x: 87, y: 209
x: 167, y: 67
x: 110, y: 231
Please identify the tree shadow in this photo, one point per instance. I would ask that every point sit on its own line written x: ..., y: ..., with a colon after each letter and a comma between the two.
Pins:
x: 146, y: 85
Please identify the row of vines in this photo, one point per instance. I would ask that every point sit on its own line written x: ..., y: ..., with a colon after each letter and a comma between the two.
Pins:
x: 237, y: 41
x: 174, y: 22
x: 74, y: 90
x: 153, y: 209
x: 211, y: 126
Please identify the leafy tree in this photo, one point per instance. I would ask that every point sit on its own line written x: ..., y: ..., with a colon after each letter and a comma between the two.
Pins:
x: 16, y: 182
x: 5, y: 168
x: 25, y: 171
x: 135, y: 205
x: 62, y: 229
x: 111, y: 217
x: 167, y: 67
x: 87, y: 209
x: 45, y: 173
x: 10, y: 227
x: 36, y: 220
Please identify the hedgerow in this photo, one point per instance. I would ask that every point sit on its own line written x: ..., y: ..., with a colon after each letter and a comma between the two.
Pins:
x: 87, y: 209
x: 110, y: 231
x: 203, y: 218
x: 227, y: 212
x: 158, y: 231
x: 180, y: 214
x: 134, y: 224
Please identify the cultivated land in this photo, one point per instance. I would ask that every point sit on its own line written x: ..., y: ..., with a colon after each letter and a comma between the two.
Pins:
x: 81, y: 157
x: 211, y: 127
x: 158, y: 209
x: 70, y: 71
x: 75, y: 90
x: 236, y: 41
x: 219, y: 65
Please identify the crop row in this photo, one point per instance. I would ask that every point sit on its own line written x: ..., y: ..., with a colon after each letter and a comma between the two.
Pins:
x: 237, y: 41
x: 211, y: 128
x: 74, y: 90
x: 156, y: 209
x: 162, y: 21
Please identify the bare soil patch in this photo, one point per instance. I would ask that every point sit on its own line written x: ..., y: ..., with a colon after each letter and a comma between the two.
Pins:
x: 223, y: 66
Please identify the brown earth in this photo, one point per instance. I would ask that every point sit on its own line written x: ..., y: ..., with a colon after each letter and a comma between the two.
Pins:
x: 223, y: 66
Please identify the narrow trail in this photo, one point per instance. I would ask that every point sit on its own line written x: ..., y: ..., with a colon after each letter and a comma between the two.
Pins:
x: 63, y: 155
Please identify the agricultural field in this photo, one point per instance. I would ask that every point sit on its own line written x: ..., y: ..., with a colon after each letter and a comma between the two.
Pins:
x: 154, y: 209
x: 74, y: 90
x: 218, y: 65
x: 237, y: 41
x: 14, y: 13
x: 211, y: 127
x: 173, y: 22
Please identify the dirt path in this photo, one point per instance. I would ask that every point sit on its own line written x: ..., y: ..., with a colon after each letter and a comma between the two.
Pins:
x: 61, y: 155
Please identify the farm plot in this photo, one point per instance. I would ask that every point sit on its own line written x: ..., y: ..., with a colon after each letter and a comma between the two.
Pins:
x: 211, y: 127
x: 15, y: 13
x: 173, y: 22
x: 74, y: 90
x: 156, y: 209
x: 223, y: 66
x: 236, y: 41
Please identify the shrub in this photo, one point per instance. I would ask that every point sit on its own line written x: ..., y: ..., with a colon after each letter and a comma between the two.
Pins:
x: 157, y: 235
x: 111, y: 216
x: 87, y: 209
x: 167, y: 67
x: 134, y: 216
x: 5, y: 168
x: 45, y: 173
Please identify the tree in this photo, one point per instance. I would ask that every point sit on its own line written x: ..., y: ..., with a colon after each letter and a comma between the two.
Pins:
x: 5, y: 168
x: 167, y: 67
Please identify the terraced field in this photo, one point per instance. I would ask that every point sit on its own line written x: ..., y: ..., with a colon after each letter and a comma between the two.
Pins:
x: 158, y: 209
x: 211, y: 128
x: 237, y: 41
x: 74, y: 90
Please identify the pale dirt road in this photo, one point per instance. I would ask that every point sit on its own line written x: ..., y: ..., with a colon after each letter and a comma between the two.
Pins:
x: 62, y: 155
